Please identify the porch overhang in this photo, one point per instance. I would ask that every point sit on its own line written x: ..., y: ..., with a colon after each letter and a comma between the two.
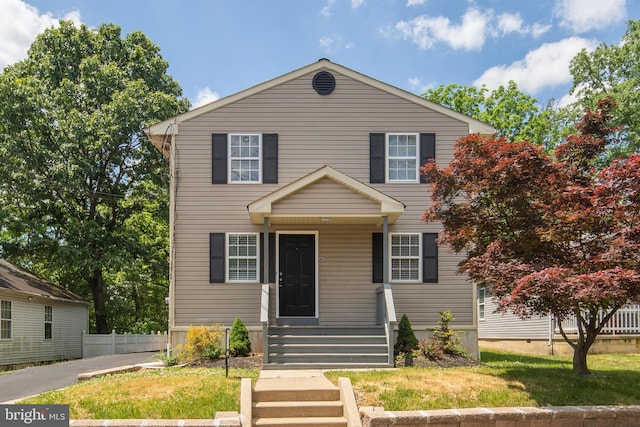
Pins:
x: 386, y: 206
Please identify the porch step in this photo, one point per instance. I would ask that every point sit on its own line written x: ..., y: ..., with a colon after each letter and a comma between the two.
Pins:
x: 320, y: 347
x: 310, y: 402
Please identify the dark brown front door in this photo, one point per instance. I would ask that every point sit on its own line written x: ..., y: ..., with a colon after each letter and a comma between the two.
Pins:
x: 297, y: 266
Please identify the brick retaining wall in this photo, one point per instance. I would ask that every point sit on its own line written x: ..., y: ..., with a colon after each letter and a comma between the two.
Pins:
x: 560, y: 416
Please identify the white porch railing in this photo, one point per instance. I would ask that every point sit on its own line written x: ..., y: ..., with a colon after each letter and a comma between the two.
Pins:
x: 106, y: 344
x: 264, y: 319
x: 624, y: 322
x: 386, y: 315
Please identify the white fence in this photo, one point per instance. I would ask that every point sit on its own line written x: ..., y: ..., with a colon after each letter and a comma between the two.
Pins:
x: 626, y: 321
x: 105, y: 344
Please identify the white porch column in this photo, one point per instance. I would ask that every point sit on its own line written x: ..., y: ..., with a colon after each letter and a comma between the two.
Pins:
x: 265, y: 245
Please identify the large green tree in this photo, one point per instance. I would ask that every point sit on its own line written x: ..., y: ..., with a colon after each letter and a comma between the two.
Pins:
x: 516, y: 115
x: 613, y: 71
x: 83, y: 196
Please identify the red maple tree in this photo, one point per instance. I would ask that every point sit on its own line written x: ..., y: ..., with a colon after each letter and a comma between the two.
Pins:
x: 549, y: 236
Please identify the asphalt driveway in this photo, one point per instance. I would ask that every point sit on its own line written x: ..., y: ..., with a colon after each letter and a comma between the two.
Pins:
x: 26, y: 382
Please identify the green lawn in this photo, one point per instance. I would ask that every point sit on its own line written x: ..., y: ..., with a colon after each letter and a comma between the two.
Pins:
x: 504, y: 379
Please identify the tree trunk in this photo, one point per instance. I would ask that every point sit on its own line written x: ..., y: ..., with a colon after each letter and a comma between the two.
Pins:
x: 97, y: 290
x: 580, y: 360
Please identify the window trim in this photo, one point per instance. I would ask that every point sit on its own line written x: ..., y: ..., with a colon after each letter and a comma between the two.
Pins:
x: 482, y: 304
x: 230, y: 158
x: 48, y: 321
x: 228, y: 257
x: 388, y: 158
x: 418, y: 257
x: 9, y: 320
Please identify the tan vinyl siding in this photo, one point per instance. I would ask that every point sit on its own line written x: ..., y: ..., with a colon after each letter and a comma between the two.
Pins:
x: 313, y: 131
x: 327, y: 197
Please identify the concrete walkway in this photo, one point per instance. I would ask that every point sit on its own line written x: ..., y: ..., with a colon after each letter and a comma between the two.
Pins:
x: 22, y: 383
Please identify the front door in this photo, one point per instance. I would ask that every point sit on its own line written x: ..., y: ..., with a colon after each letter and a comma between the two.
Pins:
x: 297, y: 275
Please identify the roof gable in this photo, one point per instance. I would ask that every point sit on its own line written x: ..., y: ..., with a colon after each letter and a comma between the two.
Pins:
x: 388, y: 206
x: 158, y: 132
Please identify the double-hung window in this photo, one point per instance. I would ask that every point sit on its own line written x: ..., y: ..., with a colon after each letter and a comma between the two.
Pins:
x: 406, y: 257
x: 245, y: 158
x: 5, y: 320
x: 242, y: 259
x: 48, y: 322
x: 402, y: 157
x: 481, y: 306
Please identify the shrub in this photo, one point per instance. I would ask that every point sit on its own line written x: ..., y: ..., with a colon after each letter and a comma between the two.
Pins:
x: 406, y: 341
x: 239, y: 344
x: 443, y: 342
x: 203, y: 343
x: 168, y: 359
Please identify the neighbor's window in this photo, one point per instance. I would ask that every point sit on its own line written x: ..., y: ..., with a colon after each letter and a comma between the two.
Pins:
x: 244, y: 158
x: 481, y: 304
x: 5, y: 320
x: 242, y: 261
x: 402, y: 157
x: 48, y: 322
x: 405, y: 257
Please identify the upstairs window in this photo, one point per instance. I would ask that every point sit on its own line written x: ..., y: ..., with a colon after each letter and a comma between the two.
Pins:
x: 5, y: 320
x: 48, y: 322
x: 242, y: 261
x: 402, y: 157
x: 244, y: 158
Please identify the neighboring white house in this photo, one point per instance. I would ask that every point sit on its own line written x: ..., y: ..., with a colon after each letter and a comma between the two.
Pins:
x: 540, y: 335
x: 39, y: 320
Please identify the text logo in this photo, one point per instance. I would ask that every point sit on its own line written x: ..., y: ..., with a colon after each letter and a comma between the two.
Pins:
x: 34, y: 415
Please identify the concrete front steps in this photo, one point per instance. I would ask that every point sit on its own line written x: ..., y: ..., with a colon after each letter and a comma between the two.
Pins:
x: 300, y: 402
x: 321, y: 347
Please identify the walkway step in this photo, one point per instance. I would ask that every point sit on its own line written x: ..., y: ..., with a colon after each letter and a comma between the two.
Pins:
x: 298, y: 409
x: 301, y: 422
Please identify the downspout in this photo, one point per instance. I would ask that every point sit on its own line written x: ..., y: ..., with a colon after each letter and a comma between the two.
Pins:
x: 173, y: 185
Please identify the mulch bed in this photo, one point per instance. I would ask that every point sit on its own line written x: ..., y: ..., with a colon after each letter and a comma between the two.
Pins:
x: 254, y: 361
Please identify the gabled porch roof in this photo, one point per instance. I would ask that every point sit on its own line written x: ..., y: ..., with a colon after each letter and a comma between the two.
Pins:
x: 363, y: 194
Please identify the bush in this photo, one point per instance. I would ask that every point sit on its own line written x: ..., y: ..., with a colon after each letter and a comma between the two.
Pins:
x: 406, y: 341
x: 203, y: 343
x: 239, y: 344
x: 444, y: 340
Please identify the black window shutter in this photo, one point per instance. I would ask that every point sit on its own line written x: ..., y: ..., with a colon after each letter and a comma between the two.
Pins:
x: 272, y: 257
x: 270, y: 158
x: 429, y: 258
x: 377, y: 158
x: 219, y: 158
x: 377, y: 258
x: 217, y: 258
x: 427, y: 150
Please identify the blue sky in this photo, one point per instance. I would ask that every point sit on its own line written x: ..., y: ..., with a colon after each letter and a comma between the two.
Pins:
x: 216, y: 48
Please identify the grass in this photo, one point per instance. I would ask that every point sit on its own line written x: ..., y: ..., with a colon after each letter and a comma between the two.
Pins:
x: 504, y: 379
x: 172, y: 393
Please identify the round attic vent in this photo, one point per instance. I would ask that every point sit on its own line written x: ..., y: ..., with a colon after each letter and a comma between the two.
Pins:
x: 324, y: 83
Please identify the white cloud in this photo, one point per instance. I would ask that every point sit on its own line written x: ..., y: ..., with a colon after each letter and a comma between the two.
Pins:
x: 415, y: 2
x: 416, y: 86
x: 20, y: 23
x: 326, y: 10
x: 546, y: 66
x: 425, y: 31
x: 326, y: 43
x: 205, y: 96
x: 513, y: 23
x: 356, y: 3
x: 584, y: 15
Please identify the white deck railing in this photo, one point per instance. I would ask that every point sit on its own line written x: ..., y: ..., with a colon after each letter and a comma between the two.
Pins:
x: 624, y: 322
x: 386, y: 315
x: 106, y: 344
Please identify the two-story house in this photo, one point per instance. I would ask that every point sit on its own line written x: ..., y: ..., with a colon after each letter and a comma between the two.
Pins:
x: 296, y: 205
